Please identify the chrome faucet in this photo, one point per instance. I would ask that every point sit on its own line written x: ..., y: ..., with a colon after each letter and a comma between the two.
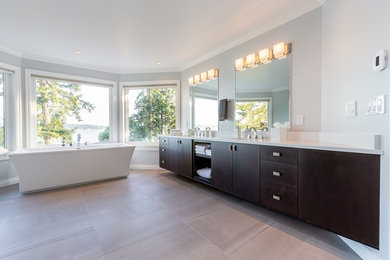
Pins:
x: 208, y: 131
x: 197, y: 131
x: 78, y: 139
x: 254, y: 136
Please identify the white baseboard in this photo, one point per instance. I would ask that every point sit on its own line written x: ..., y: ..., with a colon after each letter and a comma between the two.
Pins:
x: 9, y: 181
x: 144, y: 167
x: 363, y: 251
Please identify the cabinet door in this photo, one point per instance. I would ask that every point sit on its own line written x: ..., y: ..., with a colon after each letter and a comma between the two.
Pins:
x: 221, y: 166
x: 173, y: 154
x: 185, y: 157
x: 340, y: 192
x: 246, y: 171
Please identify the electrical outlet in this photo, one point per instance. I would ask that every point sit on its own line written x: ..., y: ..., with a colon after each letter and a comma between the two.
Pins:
x: 299, y: 119
x: 350, y: 108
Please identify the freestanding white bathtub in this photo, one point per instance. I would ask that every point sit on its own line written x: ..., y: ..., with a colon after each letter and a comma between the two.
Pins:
x: 49, y: 168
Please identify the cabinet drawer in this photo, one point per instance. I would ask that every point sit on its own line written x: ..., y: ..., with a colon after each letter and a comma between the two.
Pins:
x: 279, y: 197
x: 280, y: 173
x: 164, y: 142
x: 279, y: 154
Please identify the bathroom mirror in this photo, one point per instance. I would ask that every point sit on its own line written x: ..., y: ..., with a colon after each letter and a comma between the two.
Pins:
x: 263, y: 95
x: 204, y: 105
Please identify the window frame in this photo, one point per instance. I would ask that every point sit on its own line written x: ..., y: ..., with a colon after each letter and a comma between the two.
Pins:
x: 31, y: 116
x: 13, y: 108
x: 123, y: 105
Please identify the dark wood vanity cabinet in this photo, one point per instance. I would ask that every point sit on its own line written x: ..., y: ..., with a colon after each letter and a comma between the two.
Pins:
x: 164, y: 153
x: 279, y: 179
x: 235, y: 168
x: 221, y: 166
x: 339, y: 192
x: 180, y: 156
x: 176, y: 155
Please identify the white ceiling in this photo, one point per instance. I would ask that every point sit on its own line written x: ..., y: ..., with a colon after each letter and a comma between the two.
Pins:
x: 133, y: 35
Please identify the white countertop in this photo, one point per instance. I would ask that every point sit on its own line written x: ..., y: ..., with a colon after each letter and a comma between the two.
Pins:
x: 288, y: 143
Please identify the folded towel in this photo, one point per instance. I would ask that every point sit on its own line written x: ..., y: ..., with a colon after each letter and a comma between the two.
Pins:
x: 205, y: 173
x: 208, y: 152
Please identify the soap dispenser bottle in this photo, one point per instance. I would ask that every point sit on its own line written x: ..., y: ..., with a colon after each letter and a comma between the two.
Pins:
x: 238, y: 132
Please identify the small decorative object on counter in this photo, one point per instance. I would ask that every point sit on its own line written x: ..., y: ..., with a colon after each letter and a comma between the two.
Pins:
x: 279, y: 132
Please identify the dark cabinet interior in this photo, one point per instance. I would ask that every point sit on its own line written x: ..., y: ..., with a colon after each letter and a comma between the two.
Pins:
x: 338, y: 191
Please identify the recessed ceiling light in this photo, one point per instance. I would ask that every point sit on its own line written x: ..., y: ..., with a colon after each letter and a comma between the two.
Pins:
x: 77, y: 51
x: 159, y: 62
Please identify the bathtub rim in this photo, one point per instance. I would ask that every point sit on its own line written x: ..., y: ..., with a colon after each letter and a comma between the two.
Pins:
x: 60, y: 149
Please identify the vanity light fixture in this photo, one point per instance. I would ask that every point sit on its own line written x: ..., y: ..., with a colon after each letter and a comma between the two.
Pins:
x: 252, y: 60
x: 191, y: 81
x: 280, y: 50
x: 203, y: 77
x: 240, y: 64
x: 197, y: 79
x: 212, y: 74
x: 265, y: 55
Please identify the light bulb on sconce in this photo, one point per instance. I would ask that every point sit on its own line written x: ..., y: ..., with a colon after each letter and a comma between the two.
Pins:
x: 191, y: 81
x: 203, y: 77
x: 265, y: 55
x: 212, y: 74
x: 251, y: 60
x: 240, y: 64
x: 197, y: 79
x: 280, y: 50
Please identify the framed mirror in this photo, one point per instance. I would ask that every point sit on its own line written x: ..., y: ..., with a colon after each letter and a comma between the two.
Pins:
x: 204, y: 105
x: 263, y: 95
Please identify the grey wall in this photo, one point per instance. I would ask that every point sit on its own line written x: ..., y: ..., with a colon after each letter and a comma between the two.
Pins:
x: 305, y: 35
x: 352, y: 32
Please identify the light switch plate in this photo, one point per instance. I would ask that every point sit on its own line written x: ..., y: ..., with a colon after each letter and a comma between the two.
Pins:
x: 380, y: 104
x: 299, y: 120
x: 350, y: 108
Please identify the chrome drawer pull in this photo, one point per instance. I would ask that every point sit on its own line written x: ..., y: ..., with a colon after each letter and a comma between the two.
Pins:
x: 275, y: 197
x: 164, y: 140
x: 276, y: 154
x: 162, y: 161
x: 276, y: 174
x: 163, y: 150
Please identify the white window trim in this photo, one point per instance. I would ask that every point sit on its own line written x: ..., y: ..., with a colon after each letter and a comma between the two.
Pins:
x: 14, y: 135
x: 123, y: 122
x: 30, y: 119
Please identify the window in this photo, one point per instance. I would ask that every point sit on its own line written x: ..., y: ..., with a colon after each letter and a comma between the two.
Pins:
x: 253, y: 113
x: 67, y: 109
x: 150, y: 111
x: 61, y: 107
x: 206, y: 113
x: 2, y: 112
x: 10, y: 108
